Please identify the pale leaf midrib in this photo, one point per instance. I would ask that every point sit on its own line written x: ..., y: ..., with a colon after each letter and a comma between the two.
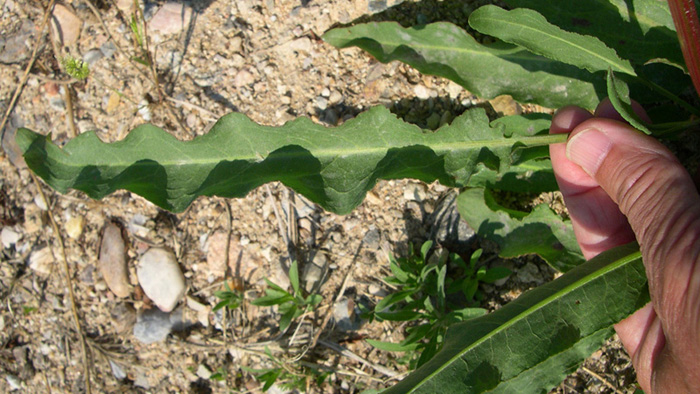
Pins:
x: 322, y: 154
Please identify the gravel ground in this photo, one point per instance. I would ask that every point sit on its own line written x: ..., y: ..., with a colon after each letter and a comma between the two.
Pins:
x: 264, y: 59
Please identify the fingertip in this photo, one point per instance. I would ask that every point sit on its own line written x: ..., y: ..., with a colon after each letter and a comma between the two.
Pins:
x: 606, y: 110
x: 567, y: 118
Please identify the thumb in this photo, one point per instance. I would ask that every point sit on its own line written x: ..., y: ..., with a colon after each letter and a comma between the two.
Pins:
x: 661, y: 203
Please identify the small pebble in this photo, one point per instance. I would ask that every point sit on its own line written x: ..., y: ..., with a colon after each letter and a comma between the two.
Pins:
x: 112, y: 261
x: 66, y: 25
x: 74, y: 227
x: 9, y: 237
x: 41, y: 261
x: 152, y: 326
x: 161, y: 278
x: 171, y: 18
x: 321, y: 103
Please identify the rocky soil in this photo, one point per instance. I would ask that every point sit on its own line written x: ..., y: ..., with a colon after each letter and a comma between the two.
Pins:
x: 141, y: 281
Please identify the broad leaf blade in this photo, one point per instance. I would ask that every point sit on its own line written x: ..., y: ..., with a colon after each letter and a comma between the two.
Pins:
x: 333, y: 167
x: 445, y: 50
x: 532, y: 343
x: 641, y: 31
x: 530, y: 30
x: 517, y: 233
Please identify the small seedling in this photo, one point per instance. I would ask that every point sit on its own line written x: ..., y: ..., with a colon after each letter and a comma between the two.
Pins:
x: 76, y: 68
x: 229, y: 298
x: 291, y: 305
x: 289, y: 377
x: 422, y: 290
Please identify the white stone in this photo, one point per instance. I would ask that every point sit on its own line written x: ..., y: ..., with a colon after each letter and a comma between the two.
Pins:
x: 421, y: 92
x: 74, y: 227
x: 112, y: 261
x: 203, y: 372
x: 9, y: 237
x: 161, y: 279
x: 243, y: 78
x: 171, y: 18
x: 40, y: 202
x: 41, y: 260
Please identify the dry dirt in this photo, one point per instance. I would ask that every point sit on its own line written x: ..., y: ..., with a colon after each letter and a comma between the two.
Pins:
x: 262, y: 58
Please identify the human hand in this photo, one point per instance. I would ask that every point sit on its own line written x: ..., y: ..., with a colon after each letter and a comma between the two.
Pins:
x: 620, y: 185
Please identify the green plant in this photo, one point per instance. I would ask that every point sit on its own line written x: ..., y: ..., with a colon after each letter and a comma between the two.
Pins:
x: 423, y: 290
x: 76, y: 68
x: 291, y: 305
x: 229, y: 298
x: 288, y: 377
x: 551, y: 53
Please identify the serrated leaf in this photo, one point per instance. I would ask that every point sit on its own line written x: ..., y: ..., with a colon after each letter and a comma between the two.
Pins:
x: 445, y: 50
x: 518, y: 233
x: 530, y: 30
x: 532, y: 343
x: 333, y: 167
x: 531, y: 171
x: 641, y: 31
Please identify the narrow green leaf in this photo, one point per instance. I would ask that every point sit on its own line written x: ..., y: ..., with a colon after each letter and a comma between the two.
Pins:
x: 333, y: 167
x: 403, y: 315
x: 641, y: 31
x: 271, y: 300
x: 495, y: 273
x: 518, y: 233
x: 392, y: 299
x: 424, y: 249
x: 400, y: 274
x: 619, y: 94
x: 391, y: 346
x: 287, y: 318
x: 468, y: 313
x: 532, y: 343
x: 446, y: 50
x: 313, y: 299
x: 530, y: 30
x: 274, y: 286
x: 474, y: 258
x: 294, y: 277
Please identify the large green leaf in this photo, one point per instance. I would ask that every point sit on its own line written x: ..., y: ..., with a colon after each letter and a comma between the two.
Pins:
x: 532, y: 343
x: 530, y: 30
x: 641, y: 31
x: 531, y: 170
x: 518, y: 233
x: 332, y: 167
x: 445, y: 50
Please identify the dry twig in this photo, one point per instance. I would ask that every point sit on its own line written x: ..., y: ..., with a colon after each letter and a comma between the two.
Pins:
x: 25, y: 77
x: 69, y: 285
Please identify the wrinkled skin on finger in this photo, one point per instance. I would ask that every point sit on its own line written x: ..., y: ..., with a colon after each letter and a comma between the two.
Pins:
x: 620, y: 185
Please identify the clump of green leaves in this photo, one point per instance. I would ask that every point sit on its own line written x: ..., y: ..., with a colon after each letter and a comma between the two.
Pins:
x: 291, y: 305
x: 287, y: 376
x: 76, y: 68
x: 229, y: 298
x: 425, y: 289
